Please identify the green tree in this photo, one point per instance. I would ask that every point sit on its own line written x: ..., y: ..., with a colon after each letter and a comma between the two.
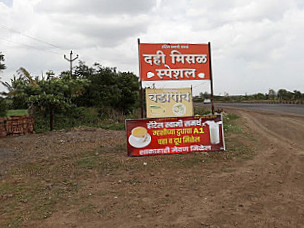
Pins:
x: 3, y: 104
x: 3, y: 107
x: 2, y: 65
x: 259, y: 96
x: 19, y: 89
x: 108, y: 88
x: 283, y: 94
x: 297, y: 95
x: 128, y: 91
x: 51, y: 94
x: 271, y: 94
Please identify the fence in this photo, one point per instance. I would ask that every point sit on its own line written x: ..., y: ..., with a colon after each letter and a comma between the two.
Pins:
x: 16, y: 125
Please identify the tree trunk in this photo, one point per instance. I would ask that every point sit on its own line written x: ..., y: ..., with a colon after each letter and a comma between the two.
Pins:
x: 51, y: 119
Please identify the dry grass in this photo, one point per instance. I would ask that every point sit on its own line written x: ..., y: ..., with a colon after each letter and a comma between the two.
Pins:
x: 33, y: 191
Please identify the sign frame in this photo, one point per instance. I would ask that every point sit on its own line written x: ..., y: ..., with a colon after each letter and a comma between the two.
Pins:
x: 141, y: 84
x: 156, y: 136
x: 179, y: 61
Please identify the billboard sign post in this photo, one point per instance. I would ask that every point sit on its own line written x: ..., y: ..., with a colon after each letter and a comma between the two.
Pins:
x: 171, y: 127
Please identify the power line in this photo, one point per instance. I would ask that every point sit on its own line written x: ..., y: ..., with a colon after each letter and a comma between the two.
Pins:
x: 30, y: 46
x: 28, y: 36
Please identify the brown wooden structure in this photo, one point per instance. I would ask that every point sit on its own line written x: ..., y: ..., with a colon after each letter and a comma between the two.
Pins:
x: 16, y: 125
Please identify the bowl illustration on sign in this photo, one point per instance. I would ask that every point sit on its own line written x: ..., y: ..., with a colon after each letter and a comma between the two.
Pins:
x: 150, y: 74
x: 179, y: 109
x: 139, y: 137
x: 201, y: 75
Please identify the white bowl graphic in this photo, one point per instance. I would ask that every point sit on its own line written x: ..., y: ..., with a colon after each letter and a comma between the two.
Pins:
x: 201, y: 75
x: 150, y: 74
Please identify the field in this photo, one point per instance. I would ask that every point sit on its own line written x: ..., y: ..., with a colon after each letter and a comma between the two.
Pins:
x: 83, y: 178
x: 19, y: 112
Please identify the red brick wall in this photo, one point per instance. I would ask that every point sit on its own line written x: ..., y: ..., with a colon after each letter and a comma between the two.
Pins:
x: 16, y: 125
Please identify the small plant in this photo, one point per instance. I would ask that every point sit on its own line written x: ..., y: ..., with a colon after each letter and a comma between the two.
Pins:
x: 230, y: 124
x: 18, y: 112
x: 3, y: 107
x: 201, y: 111
x: 82, y: 116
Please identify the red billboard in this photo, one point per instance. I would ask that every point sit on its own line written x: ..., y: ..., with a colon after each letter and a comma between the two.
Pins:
x: 175, y: 135
x: 174, y: 62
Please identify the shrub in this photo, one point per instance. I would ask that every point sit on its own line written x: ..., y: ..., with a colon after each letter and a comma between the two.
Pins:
x: 3, y: 107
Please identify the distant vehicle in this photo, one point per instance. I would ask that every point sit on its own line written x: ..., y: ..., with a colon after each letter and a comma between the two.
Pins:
x: 207, y: 101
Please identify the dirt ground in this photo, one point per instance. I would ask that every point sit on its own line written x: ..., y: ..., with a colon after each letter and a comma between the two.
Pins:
x: 83, y: 178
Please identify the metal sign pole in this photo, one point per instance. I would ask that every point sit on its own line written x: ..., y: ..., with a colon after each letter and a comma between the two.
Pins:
x: 211, y: 80
x: 193, y: 110
x: 141, y: 88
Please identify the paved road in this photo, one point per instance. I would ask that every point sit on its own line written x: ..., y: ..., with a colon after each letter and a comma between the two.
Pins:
x: 287, y: 108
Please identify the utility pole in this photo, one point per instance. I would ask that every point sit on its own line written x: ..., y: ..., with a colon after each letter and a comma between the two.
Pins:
x: 71, y: 61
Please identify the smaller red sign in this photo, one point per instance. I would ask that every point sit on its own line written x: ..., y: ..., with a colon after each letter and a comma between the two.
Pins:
x: 161, y: 61
x: 175, y: 135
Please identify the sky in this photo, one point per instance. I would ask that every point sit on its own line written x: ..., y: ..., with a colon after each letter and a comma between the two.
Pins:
x: 256, y: 45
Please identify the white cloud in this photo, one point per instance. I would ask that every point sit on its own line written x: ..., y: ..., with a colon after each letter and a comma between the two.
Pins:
x: 8, y: 3
x: 96, y: 7
x: 256, y: 45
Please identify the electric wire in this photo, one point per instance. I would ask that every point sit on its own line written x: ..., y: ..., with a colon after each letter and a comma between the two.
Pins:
x: 31, y: 37
x: 30, y: 46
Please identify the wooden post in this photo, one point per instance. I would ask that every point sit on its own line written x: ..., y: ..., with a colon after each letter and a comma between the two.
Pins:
x: 193, y: 110
x: 141, y: 100
x: 51, y: 119
x: 141, y: 88
x: 211, y: 80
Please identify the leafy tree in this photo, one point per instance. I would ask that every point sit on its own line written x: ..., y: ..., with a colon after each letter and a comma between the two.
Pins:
x: 128, y: 91
x: 2, y: 65
x: 51, y: 94
x: 226, y: 96
x: 107, y: 88
x: 83, y: 71
x: 205, y: 95
x: 297, y: 95
x: 19, y: 89
x: 259, y: 96
x: 3, y: 104
x: 3, y: 107
x: 283, y: 94
x: 271, y: 94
